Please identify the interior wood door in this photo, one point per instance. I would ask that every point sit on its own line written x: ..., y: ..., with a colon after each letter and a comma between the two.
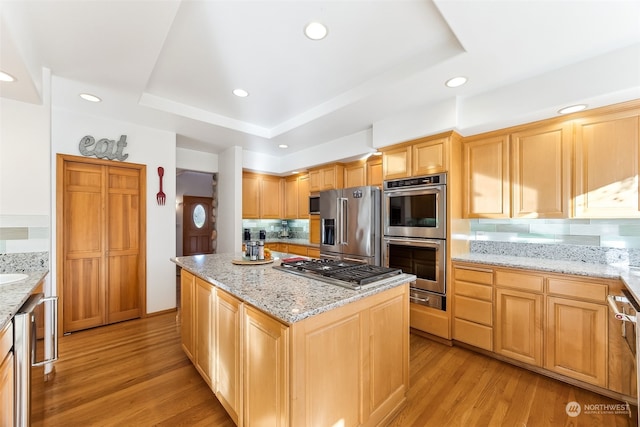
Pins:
x: 101, y: 241
x: 196, y: 225
x: 83, y: 283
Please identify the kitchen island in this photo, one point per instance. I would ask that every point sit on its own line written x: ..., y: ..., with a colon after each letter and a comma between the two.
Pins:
x: 278, y: 349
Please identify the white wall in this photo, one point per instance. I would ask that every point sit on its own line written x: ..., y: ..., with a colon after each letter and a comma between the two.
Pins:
x: 196, y: 160
x: 229, y: 221
x: 152, y: 148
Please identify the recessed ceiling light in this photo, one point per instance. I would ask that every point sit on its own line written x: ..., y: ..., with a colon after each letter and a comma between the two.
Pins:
x: 572, y: 109
x: 89, y: 97
x: 315, y: 31
x: 456, y: 81
x: 283, y: 146
x: 377, y: 153
x: 294, y: 172
x: 240, y: 93
x: 6, y: 77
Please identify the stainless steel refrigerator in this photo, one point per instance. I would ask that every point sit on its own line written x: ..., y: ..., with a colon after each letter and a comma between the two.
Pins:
x: 350, y: 224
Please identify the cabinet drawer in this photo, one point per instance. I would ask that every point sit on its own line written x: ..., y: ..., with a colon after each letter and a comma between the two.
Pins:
x: 474, y: 290
x: 588, y: 291
x: 473, y: 275
x: 473, y: 310
x: 525, y: 282
x: 473, y: 334
x: 6, y: 340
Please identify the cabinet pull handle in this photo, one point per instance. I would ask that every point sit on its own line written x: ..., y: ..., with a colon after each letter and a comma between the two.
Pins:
x: 611, y: 299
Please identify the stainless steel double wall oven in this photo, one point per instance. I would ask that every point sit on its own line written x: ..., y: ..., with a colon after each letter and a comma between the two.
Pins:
x: 414, y: 230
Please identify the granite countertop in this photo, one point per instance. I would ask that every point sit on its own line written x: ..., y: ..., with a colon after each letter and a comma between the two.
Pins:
x: 288, y: 297
x: 13, y: 295
x: 629, y: 275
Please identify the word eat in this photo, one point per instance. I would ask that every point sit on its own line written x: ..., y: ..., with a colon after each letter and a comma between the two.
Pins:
x: 104, y: 148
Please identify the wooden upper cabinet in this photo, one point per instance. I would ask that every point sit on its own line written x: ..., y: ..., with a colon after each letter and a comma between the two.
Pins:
x: 396, y: 163
x: 303, y: 196
x: 250, y: 195
x: 486, y: 191
x: 430, y: 157
x: 374, y: 171
x: 326, y: 178
x: 291, y: 197
x: 606, y: 165
x: 541, y: 174
x: 355, y: 174
x: 262, y: 196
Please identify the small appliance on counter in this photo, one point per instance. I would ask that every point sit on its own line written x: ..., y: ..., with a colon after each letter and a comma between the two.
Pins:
x: 285, y: 229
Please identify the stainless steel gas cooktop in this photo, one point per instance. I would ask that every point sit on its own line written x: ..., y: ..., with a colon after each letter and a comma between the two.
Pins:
x: 348, y: 274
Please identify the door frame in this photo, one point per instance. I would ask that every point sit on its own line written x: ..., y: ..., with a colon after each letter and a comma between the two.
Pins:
x: 61, y: 159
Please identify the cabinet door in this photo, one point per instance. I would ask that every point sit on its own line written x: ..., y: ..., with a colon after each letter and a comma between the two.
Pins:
x: 187, y: 332
x: 486, y: 192
x: 606, y: 166
x: 396, y: 163
x: 228, y: 375
x: 518, y: 329
x: 374, y: 172
x: 303, y: 197
x: 6, y: 389
x: 576, y: 340
x: 291, y: 198
x: 266, y: 370
x: 541, y: 178
x: 250, y: 196
x: 314, y: 229
x: 204, y: 330
x: 332, y: 177
x: 355, y: 175
x: 430, y: 157
x: 314, y: 181
x: 271, y: 197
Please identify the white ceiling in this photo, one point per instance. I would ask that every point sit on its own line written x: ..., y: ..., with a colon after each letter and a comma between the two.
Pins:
x: 173, y: 64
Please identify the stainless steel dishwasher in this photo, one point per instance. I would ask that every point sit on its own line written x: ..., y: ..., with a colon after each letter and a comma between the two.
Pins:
x: 27, y: 348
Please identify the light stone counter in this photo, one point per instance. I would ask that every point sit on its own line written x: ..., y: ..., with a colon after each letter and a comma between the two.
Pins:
x: 13, y: 295
x: 283, y: 295
x: 629, y: 275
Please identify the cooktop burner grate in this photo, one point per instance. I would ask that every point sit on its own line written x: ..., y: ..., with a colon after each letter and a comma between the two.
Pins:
x: 353, y: 275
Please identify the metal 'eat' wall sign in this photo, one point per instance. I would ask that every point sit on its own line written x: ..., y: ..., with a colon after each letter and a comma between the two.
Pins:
x: 103, y: 148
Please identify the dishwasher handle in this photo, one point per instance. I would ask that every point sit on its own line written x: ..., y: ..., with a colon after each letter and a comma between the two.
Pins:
x: 54, y: 325
x: 619, y: 315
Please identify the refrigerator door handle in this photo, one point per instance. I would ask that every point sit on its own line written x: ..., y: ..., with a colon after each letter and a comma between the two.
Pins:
x: 343, y: 204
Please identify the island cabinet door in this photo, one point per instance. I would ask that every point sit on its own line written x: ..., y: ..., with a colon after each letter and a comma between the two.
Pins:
x: 204, y: 331
x: 187, y: 288
x: 265, y: 370
x: 228, y: 322
x: 350, y: 365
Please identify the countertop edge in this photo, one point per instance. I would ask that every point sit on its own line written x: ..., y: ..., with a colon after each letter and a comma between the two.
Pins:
x: 14, y: 295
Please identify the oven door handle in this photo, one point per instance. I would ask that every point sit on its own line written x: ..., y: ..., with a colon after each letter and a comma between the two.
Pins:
x: 416, y: 299
x: 619, y: 315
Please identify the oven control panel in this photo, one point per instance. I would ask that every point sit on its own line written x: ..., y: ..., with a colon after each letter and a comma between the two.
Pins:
x: 416, y: 182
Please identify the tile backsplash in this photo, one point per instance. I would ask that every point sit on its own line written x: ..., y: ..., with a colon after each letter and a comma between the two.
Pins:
x: 298, y: 228
x: 24, y: 233
x: 608, y: 241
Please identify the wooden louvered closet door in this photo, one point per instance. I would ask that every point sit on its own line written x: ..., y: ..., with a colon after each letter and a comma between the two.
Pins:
x: 102, y: 222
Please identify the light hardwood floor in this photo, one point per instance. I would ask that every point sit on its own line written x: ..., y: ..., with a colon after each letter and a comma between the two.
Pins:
x: 135, y: 374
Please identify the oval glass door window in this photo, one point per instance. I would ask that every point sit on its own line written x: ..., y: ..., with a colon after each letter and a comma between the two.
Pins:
x: 199, y: 216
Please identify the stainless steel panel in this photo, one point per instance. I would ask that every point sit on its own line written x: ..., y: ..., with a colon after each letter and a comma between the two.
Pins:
x: 437, y: 283
x: 428, y: 299
x: 432, y: 228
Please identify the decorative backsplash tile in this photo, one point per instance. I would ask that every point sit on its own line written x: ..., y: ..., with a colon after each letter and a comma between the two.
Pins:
x: 297, y: 228
x: 24, y: 233
x: 605, y: 241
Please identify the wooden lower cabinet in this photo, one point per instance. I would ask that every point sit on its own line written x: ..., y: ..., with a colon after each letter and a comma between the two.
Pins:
x: 265, y: 370
x: 204, y: 339
x: 228, y: 320
x: 348, y: 366
x: 518, y: 329
x: 576, y: 339
x: 430, y: 320
x: 6, y: 376
x: 187, y: 298
x: 554, y: 323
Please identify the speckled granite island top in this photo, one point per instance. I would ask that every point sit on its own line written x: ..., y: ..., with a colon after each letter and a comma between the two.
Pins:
x: 286, y: 296
x: 629, y: 275
x: 13, y: 295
